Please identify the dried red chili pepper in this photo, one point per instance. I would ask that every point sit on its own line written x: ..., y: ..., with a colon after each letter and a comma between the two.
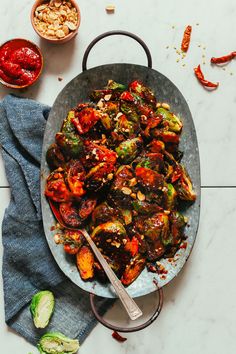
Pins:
x: 118, y: 337
x: 223, y: 59
x: 186, y: 38
x: 201, y: 79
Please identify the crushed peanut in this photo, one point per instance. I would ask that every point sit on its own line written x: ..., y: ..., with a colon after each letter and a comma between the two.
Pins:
x: 141, y: 196
x: 110, y: 9
x: 126, y: 190
x: 56, y: 19
x: 166, y: 106
x: 133, y: 182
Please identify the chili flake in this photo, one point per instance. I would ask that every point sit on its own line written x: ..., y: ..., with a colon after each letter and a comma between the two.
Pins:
x: 186, y: 39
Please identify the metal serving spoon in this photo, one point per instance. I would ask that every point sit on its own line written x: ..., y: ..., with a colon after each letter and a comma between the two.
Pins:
x: 129, y: 304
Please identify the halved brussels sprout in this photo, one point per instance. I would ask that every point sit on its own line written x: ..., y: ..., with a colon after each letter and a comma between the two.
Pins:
x: 86, y: 119
x: 57, y: 343
x: 170, y: 197
x: 85, y: 262
x: 174, y: 123
x: 143, y: 91
x: 113, y: 85
x: 149, y: 179
x: 129, y: 149
x: 71, y: 144
x: 177, y: 224
x: 56, y: 188
x: 103, y: 213
x: 42, y: 307
x: 143, y: 207
x: 184, y: 186
x: 133, y: 270
x: 98, y: 176
x: 54, y: 157
x: 126, y: 127
x: 67, y: 125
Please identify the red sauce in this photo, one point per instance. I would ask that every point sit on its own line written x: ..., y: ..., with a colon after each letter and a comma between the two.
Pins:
x: 20, y: 62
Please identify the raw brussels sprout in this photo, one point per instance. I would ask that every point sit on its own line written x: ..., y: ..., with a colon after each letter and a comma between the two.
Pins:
x: 70, y: 143
x: 174, y: 123
x: 129, y: 149
x: 57, y: 343
x: 41, y: 307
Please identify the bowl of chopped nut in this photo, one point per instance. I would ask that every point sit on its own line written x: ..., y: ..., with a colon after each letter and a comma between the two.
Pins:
x: 57, y: 21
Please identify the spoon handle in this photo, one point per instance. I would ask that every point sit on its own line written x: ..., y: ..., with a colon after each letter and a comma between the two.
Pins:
x: 130, y: 305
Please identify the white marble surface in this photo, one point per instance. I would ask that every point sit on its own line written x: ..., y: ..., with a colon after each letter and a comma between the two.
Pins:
x: 199, y: 311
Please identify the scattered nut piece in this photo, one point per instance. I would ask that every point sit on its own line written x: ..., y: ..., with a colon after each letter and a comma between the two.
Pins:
x: 166, y: 106
x: 107, y: 97
x: 60, y: 78
x: 110, y: 9
x: 126, y: 190
x: 110, y: 176
x: 133, y: 182
x: 158, y: 105
x: 133, y: 195
x: 141, y: 196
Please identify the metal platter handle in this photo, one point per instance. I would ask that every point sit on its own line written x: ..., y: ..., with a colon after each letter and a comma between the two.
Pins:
x: 112, y: 33
x: 129, y: 329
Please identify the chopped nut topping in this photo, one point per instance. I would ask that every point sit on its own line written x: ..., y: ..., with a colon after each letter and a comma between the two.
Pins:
x: 126, y: 190
x: 133, y: 195
x: 107, y: 97
x: 133, y: 182
x: 141, y: 196
x: 158, y: 105
x: 166, y: 106
x: 110, y: 176
x: 56, y: 19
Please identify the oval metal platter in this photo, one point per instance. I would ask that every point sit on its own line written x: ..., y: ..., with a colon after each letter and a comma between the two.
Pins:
x: 78, y: 90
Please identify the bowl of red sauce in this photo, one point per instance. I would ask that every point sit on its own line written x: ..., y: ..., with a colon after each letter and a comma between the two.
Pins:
x: 21, y: 63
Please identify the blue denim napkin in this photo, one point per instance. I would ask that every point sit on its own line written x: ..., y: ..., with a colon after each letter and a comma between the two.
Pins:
x: 28, y: 265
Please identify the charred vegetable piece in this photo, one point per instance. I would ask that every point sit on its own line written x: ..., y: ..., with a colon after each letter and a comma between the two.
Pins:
x: 112, y: 85
x: 184, y: 186
x: 67, y: 125
x: 153, y: 160
x: 85, y: 262
x: 42, y: 307
x: 106, y: 121
x: 74, y: 237
x: 103, y: 213
x: 166, y: 136
x: 86, y: 119
x: 149, y: 179
x: 97, y: 95
x: 177, y: 222
x: 95, y: 154
x: 127, y: 216
x: 129, y: 149
x: 70, y: 215
x: 57, y: 343
x: 174, y: 123
x: 132, y: 246
x: 71, y: 249
x: 133, y: 270
x: 111, y: 227
x: 156, y: 146
x: 143, y: 91
x: 87, y: 206
x: 56, y: 188
x: 75, y: 176
x: 126, y: 127
x: 130, y: 110
x: 145, y: 208
x: 170, y: 197
x: 98, y: 176
x: 54, y: 157
x: 152, y: 123
x: 70, y: 144
x: 120, y: 191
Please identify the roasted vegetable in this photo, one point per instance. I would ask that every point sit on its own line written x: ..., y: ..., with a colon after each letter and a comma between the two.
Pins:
x: 117, y: 173
x: 56, y: 188
x: 129, y: 149
x: 86, y: 119
x: 54, y: 157
x: 70, y: 144
x: 57, y: 343
x: 42, y: 307
x: 133, y: 270
x: 85, y: 262
x: 173, y: 122
x: 184, y: 186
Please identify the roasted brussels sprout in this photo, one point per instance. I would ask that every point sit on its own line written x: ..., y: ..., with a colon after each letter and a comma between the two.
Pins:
x: 67, y: 125
x: 177, y: 224
x: 174, y: 123
x: 149, y: 179
x: 143, y: 91
x: 75, y: 175
x: 94, y: 154
x: 85, y: 262
x: 70, y: 215
x: 70, y: 144
x: 133, y: 270
x: 170, y: 197
x: 99, y: 176
x: 126, y: 127
x: 56, y: 188
x: 184, y: 186
x: 57, y: 343
x: 129, y: 149
x: 145, y: 208
x: 86, y: 119
x: 54, y: 157
x: 42, y: 307
x: 103, y: 213
x: 112, y: 85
